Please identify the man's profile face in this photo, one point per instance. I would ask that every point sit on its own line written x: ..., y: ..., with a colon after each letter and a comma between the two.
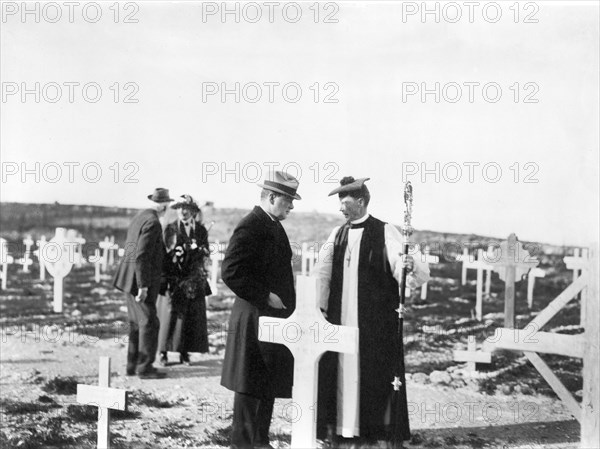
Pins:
x: 162, y: 208
x: 352, y: 208
x: 281, y: 206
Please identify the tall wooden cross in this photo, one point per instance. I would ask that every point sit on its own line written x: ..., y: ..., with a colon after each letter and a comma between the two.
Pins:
x: 40, y: 244
x: 5, y: 259
x: 28, y: 242
x: 533, y: 273
x: 105, y: 245
x: 308, y: 336
x: 468, y: 264
x: 429, y: 259
x: 511, y: 262
x: 58, y: 258
x: 105, y: 398
x: 578, y: 264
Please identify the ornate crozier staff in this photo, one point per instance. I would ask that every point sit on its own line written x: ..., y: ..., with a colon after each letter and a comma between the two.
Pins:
x: 399, y: 412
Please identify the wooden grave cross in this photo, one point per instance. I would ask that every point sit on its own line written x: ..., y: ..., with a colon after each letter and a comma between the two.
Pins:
x: 215, y: 256
x: 97, y: 263
x: 472, y: 355
x: 105, y: 398
x: 429, y: 259
x: 533, y: 273
x: 578, y: 265
x: 58, y: 258
x: 111, y: 250
x: 308, y: 336
x: 105, y: 245
x: 40, y: 244
x: 468, y: 264
x: 79, y: 255
x: 512, y: 262
x: 28, y: 242
x: 307, y: 259
x: 531, y: 340
x: 5, y: 259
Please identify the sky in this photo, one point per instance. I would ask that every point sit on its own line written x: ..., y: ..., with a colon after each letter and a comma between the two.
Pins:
x: 491, y: 111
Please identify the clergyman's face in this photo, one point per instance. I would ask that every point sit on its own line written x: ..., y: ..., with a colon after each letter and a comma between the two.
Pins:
x: 281, y: 206
x: 352, y: 208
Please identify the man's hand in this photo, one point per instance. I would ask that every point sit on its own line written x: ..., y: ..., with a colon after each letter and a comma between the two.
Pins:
x: 408, y: 262
x: 275, y: 301
x: 142, y: 294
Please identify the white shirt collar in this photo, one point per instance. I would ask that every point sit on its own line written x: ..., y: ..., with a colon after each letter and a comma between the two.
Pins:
x: 361, y: 219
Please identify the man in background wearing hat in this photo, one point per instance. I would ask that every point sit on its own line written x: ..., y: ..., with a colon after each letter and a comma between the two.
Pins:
x: 361, y: 266
x: 257, y: 268
x: 139, y: 274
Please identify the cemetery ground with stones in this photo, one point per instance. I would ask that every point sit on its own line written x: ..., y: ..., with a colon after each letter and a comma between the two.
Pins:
x: 44, y: 355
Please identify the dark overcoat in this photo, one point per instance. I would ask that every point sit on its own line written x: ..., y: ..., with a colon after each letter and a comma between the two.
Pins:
x: 182, y: 314
x: 142, y: 263
x: 257, y: 261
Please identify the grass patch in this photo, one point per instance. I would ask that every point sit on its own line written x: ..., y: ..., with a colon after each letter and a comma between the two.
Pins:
x: 139, y: 397
x: 11, y: 407
x: 61, y: 385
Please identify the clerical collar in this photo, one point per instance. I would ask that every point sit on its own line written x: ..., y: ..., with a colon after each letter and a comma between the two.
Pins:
x: 360, y: 223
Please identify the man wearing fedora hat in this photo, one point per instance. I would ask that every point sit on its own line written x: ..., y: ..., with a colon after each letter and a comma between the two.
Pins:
x: 139, y: 275
x: 257, y: 268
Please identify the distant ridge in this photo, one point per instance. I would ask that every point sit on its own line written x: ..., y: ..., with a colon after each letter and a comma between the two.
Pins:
x: 97, y: 222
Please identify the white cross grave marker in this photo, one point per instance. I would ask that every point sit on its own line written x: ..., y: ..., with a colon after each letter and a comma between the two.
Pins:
x: 105, y: 245
x: 307, y: 259
x: 28, y: 242
x: 5, y: 259
x: 533, y: 273
x: 79, y: 256
x: 579, y: 265
x: 308, y: 336
x: 58, y: 257
x: 512, y: 261
x: 468, y: 264
x: 215, y: 256
x: 97, y: 262
x: 472, y: 355
x: 429, y: 259
x: 111, y: 250
x: 105, y: 398
x: 40, y: 244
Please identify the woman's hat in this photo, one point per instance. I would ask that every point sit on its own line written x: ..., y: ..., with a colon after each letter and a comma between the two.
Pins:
x: 188, y: 202
x: 160, y: 195
x: 283, y: 183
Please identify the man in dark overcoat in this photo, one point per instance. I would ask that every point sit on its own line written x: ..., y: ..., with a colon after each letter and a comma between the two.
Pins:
x: 257, y: 268
x: 139, y: 275
x: 361, y: 265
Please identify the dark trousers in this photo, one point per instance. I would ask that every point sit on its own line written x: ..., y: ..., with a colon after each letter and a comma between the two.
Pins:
x: 143, y: 332
x: 251, y: 421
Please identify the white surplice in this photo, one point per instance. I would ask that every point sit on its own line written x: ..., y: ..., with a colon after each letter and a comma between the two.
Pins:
x: 348, y: 389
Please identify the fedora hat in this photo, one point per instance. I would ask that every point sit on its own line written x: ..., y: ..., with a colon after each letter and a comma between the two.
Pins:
x: 188, y: 202
x: 160, y: 195
x: 282, y: 183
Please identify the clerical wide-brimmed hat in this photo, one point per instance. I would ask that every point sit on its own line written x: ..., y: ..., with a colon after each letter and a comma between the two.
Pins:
x: 282, y: 183
x: 349, y: 185
x: 188, y: 202
x: 160, y: 195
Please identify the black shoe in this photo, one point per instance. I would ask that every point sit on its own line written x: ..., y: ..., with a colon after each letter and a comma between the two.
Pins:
x: 154, y: 374
x: 184, y: 358
x: 163, y: 359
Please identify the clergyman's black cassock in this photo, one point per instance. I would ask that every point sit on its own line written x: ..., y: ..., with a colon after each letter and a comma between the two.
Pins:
x: 378, y: 299
x: 257, y: 261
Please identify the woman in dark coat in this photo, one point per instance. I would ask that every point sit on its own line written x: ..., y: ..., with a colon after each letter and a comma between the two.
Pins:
x: 182, y: 313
